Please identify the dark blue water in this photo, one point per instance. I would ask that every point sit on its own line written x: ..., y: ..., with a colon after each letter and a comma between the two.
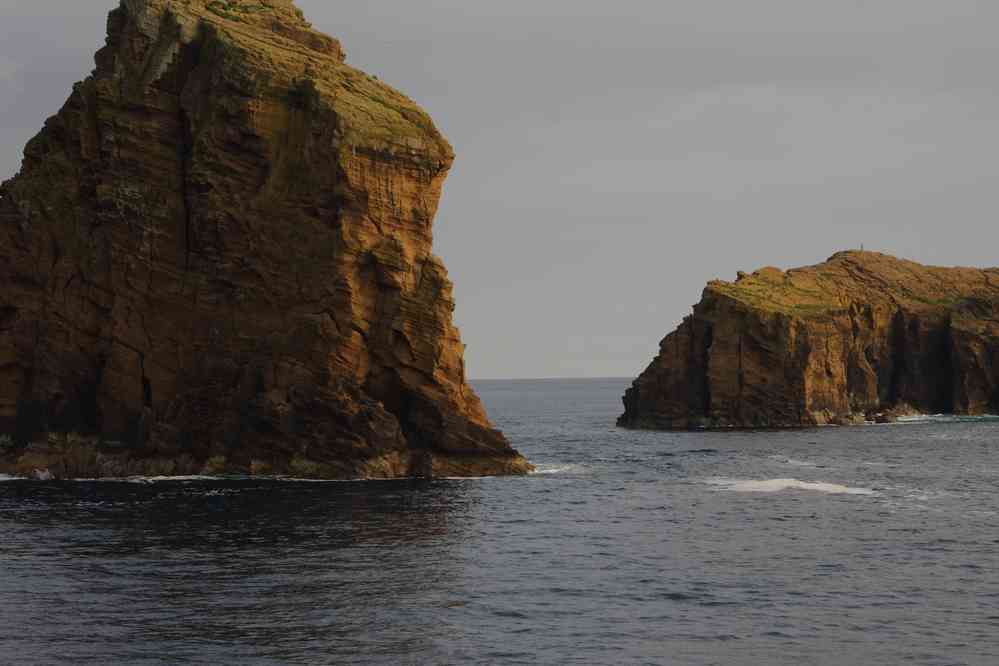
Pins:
x: 867, y: 545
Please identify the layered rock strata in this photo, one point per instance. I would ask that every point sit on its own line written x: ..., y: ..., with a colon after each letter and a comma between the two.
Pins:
x: 219, y: 253
x: 861, y: 336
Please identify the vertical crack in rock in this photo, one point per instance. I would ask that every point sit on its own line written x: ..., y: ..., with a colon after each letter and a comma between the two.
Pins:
x: 945, y: 387
x: 702, y: 369
x: 897, y: 358
x: 186, y: 149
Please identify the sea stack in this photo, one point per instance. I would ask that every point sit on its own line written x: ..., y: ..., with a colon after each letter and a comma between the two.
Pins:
x: 217, y: 256
x: 862, y: 336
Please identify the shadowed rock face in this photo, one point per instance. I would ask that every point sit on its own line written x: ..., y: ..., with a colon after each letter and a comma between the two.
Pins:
x: 221, y: 248
x: 859, y: 335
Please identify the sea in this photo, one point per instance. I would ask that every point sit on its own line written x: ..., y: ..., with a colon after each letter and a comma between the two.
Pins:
x: 856, y: 545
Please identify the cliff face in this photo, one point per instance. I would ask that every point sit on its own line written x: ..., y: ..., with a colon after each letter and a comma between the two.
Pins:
x: 220, y: 249
x: 861, y: 335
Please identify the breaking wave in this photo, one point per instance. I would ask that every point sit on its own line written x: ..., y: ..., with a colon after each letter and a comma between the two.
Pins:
x: 946, y: 418
x: 779, y: 485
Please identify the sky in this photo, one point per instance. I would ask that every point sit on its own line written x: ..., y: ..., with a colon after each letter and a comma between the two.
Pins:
x: 615, y: 156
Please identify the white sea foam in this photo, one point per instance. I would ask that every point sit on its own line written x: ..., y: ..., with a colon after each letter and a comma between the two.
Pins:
x: 463, y: 478
x: 918, y: 418
x: 148, y: 479
x: 290, y: 479
x: 556, y: 468
x: 193, y: 477
x: 943, y: 418
x: 129, y: 479
x: 779, y: 485
x: 794, y: 463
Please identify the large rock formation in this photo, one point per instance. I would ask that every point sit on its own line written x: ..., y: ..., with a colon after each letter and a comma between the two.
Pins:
x: 859, y: 336
x: 220, y: 250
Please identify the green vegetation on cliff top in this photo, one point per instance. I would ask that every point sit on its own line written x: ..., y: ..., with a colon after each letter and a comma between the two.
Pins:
x: 858, y: 277
x: 271, y: 42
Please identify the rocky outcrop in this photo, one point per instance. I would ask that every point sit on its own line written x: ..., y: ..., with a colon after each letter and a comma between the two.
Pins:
x: 219, y: 251
x: 858, y: 336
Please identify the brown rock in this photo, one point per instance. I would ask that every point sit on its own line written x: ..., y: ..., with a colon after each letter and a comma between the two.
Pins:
x: 220, y: 248
x: 859, y: 335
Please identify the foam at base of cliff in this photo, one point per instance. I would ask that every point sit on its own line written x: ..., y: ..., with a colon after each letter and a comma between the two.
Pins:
x: 557, y: 468
x: 944, y: 418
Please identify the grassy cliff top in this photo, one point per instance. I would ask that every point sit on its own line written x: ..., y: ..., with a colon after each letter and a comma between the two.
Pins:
x: 859, y: 277
x: 271, y: 42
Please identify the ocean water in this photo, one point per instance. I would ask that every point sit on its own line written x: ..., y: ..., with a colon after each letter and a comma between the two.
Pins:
x: 860, y: 545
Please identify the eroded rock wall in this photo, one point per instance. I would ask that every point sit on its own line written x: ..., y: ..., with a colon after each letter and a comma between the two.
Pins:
x: 221, y: 247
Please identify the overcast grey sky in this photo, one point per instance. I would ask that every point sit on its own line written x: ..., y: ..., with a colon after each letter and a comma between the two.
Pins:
x: 614, y: 156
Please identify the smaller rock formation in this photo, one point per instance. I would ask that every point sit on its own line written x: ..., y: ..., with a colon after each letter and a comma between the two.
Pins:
x: 862, y: 336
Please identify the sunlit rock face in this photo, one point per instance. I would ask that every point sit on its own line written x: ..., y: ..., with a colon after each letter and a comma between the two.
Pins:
x: 861, y: 336
x: 220, y: 249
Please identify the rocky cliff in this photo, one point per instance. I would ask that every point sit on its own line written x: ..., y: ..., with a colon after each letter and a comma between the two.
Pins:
x: 861, y: 336
x: 218, y: 253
